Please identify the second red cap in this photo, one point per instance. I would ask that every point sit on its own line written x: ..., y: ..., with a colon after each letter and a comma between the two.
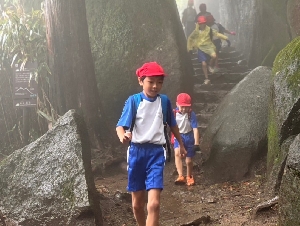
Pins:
x: 183, y: 99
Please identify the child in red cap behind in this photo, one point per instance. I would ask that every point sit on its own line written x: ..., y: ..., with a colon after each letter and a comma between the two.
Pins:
x: 188, y: 128
x: 142, y: 123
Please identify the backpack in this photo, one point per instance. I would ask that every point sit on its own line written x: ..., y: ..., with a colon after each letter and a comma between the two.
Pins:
x: 175, y: 112
x: 221, y: 28
x: 164, y: 105
x: 211, y: 34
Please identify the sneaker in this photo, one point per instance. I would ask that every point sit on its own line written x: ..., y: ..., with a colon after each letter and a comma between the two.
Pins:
x: 180, y: 180
x: 190, y: 181
x: 211, y: 70
x: 206, y: 81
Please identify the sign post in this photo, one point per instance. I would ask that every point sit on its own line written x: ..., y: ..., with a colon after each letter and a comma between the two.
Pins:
x: 25, y: 93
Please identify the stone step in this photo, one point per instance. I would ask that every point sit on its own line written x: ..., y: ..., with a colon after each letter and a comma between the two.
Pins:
x: 239, y: 68
x: 210, y: 96
x: 229, y: 54
x: 226, y: 65
x: 214, y: 87
x: 232, y: 59
x: 227, y: 49
x: 220, y: 78
x: 203, y: 118
x: 204, y: 108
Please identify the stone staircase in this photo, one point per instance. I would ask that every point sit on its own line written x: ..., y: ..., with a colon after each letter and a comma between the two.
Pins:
x: 233, y: 68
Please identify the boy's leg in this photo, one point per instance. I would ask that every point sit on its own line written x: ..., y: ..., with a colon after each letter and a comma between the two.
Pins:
x: 204, y: 68
x: 153, y: 207
x: 156, y: 157
x: 136, y: 181
x: 178, y: 162
x: 189, y: 166
x: 212, y: 61
x: 218, y: 44
x: 202, y: 59
x: 189, y: 162
x: 138, y: 204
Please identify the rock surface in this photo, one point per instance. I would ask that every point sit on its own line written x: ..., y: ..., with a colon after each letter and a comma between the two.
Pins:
x: 289, y: 207
x: 125, y: 35
x: 237, y: 133
x: 49, y: 182
x: 284, y: 115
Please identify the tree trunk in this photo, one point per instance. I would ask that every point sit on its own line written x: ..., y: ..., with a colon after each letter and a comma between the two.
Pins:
x: 126, y: 34
x: 72, y: 68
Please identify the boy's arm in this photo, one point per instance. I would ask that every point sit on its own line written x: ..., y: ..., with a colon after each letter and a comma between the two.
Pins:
x: 125, y: 121
x: 194, y: 125
x: 124, y: 136
x: 215, y: 33
x: 196, y: 136
x: 175, y: 131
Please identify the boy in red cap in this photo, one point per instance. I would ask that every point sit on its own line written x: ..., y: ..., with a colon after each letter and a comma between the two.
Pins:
x: 222, y: 30
x: 201, y: 40
x: 142, y: 123
x: 188, y: 128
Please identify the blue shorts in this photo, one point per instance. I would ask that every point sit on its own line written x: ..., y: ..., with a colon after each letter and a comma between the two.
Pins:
x: 188, y: 142
x: 146, y: 164
x: 202, y: 56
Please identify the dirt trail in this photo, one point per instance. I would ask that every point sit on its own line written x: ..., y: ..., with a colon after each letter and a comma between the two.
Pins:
x: 227, y: 204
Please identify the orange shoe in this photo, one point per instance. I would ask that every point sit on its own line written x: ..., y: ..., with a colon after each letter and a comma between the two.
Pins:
x: 180, y: 180
x: 190, y: 181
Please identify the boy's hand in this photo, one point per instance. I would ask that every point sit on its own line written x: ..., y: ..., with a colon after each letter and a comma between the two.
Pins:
x: 182, y: 151
x: 197, y: 148
x: 126, y: 138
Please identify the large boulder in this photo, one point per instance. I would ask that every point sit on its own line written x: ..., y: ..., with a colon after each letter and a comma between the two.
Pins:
x: 237, y: 132
x: 284, y: 113
x: 126, y: 34
x: 289, y: 201
x: 50, y: 182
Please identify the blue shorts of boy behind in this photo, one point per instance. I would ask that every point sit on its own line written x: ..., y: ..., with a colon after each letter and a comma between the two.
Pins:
x: 202, y: 56
x: 188, y: 142
x: 146, y: 164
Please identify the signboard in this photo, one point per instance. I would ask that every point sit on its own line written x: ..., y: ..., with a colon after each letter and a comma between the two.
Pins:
x: 25, y: 102
x: 25, y: 86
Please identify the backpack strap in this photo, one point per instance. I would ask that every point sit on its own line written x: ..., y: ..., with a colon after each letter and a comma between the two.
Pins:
x: 164, y: 106
x: 137, y: 99
x: 210, y: 34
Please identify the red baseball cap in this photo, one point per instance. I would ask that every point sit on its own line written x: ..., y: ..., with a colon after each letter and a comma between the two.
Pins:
x: 150, y: 69
x: 183, y: 99
x: 201, y: 20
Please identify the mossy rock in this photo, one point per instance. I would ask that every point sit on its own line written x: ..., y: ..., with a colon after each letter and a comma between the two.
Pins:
x: 284, y: 116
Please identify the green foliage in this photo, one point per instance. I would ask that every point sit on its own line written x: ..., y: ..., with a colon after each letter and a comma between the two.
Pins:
x: 23, y: 37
